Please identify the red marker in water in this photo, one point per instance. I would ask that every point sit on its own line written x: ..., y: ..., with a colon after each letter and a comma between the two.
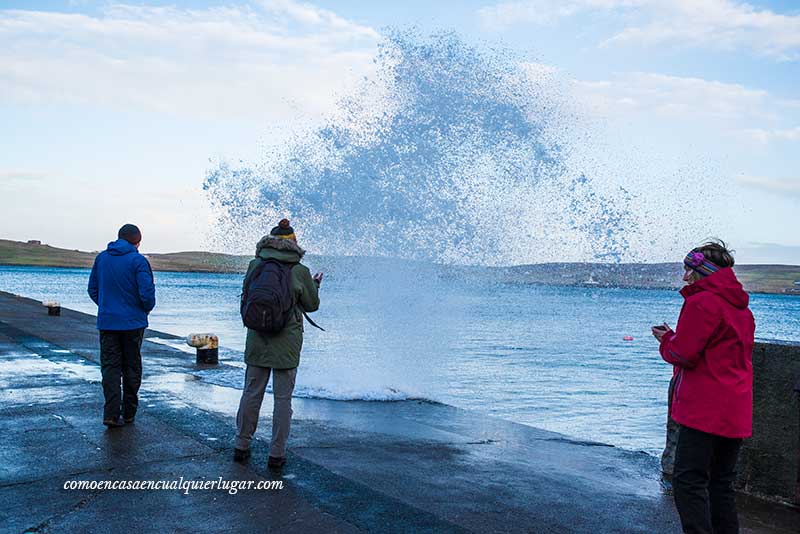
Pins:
x: 627, y: 338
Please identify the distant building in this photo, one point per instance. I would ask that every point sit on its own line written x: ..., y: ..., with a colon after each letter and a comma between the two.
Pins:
x: 34, y: 242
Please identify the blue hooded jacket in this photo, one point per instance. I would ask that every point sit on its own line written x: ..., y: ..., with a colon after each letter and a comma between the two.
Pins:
x: 121, y: 284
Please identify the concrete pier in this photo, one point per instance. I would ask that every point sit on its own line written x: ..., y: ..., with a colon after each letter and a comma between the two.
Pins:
x: 352, y: 466
x: 769, y: 463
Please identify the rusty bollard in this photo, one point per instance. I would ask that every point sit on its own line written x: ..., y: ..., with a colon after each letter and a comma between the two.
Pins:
x: 53, y: 308
x: 207, y: 346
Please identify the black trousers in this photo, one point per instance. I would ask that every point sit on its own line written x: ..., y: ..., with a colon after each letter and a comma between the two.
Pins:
x: 705, y: 470
x: 121, y: 361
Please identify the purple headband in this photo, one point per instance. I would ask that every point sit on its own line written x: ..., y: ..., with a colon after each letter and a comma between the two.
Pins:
x: 699, y: 264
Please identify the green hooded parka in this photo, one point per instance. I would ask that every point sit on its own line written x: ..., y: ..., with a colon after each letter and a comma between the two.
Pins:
x: 282, y: 350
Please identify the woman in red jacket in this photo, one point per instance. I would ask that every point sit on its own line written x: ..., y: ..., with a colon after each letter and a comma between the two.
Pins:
x: 711, y: 349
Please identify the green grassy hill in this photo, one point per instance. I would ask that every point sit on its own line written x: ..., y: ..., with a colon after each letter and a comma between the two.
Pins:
x: 769, y: 278
x: 18, y: 253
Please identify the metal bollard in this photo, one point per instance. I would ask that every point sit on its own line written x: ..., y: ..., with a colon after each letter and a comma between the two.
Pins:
x: 53, y: 308
x: 207, y: 346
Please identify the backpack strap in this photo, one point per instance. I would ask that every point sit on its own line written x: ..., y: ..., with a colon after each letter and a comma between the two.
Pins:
x: 310, y: 320
x: 252, y: 275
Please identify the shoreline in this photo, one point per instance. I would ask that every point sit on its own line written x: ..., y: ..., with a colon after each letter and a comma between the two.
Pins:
x: 537, y: 283
x: 89, y: 268
x: 757, y: 278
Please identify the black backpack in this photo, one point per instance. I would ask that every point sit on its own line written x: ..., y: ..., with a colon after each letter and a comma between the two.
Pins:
x: 268, y: 299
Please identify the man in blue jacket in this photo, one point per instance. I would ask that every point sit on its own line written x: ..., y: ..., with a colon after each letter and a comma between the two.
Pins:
x: 121, y: 284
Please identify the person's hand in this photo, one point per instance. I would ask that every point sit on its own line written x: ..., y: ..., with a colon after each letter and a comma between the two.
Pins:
x: 659, y: 331
x: 318, y: 278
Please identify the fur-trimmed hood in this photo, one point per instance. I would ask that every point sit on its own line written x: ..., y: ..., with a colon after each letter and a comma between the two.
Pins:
x: 276, y: 243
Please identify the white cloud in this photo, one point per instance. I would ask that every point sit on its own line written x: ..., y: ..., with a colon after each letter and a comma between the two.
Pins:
x: 757, y: 252
x: 720, y: 24
x: 675, y: 97
x: 771, y: 185
x: 16, y: 176
x: 271, y: 60
x: 752, y: 116
x: 544, y: 12
x: 765, y: 137
x: 507, y: 14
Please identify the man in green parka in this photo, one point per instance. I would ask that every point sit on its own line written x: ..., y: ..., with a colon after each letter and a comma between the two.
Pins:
x: 279, y: 353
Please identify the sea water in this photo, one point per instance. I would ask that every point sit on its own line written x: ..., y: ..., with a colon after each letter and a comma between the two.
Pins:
x: 546, y: 356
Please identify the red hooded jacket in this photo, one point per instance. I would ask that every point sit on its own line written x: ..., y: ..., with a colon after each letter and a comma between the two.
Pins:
x: 712, y: 350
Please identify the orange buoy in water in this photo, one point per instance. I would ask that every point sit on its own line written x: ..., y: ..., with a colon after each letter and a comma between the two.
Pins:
x: 627, y: 338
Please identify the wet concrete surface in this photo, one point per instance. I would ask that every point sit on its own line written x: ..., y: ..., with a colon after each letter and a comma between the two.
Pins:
x: 352, y: 466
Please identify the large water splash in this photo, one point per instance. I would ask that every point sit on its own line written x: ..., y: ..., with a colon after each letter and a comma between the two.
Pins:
x: 450, y: 153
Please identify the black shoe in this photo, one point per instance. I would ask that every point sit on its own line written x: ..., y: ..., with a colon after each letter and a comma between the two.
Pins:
x: 241, y: 455
x: 273, y: 462
x: 129, y: 420
x: 114, y: 423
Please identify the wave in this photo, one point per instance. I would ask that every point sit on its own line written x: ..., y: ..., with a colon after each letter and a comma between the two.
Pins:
x: 386, y: 394
x: 451, y: 153
x: 317, y: 385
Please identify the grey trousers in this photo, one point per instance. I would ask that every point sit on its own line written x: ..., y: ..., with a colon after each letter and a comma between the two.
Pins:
x: 673, y: 429
x: 668, y: 456
x: 255, y: 383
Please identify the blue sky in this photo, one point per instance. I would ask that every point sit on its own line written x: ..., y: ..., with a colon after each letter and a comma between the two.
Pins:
x: 112, y: 111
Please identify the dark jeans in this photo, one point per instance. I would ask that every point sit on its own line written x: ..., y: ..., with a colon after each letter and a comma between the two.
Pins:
x: 121, y: 361
x: 705, y: 470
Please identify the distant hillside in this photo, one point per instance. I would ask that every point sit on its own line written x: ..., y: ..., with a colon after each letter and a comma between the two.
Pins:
x: 770, y: 278
x: 756, y: 278
x: 18, y: 253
